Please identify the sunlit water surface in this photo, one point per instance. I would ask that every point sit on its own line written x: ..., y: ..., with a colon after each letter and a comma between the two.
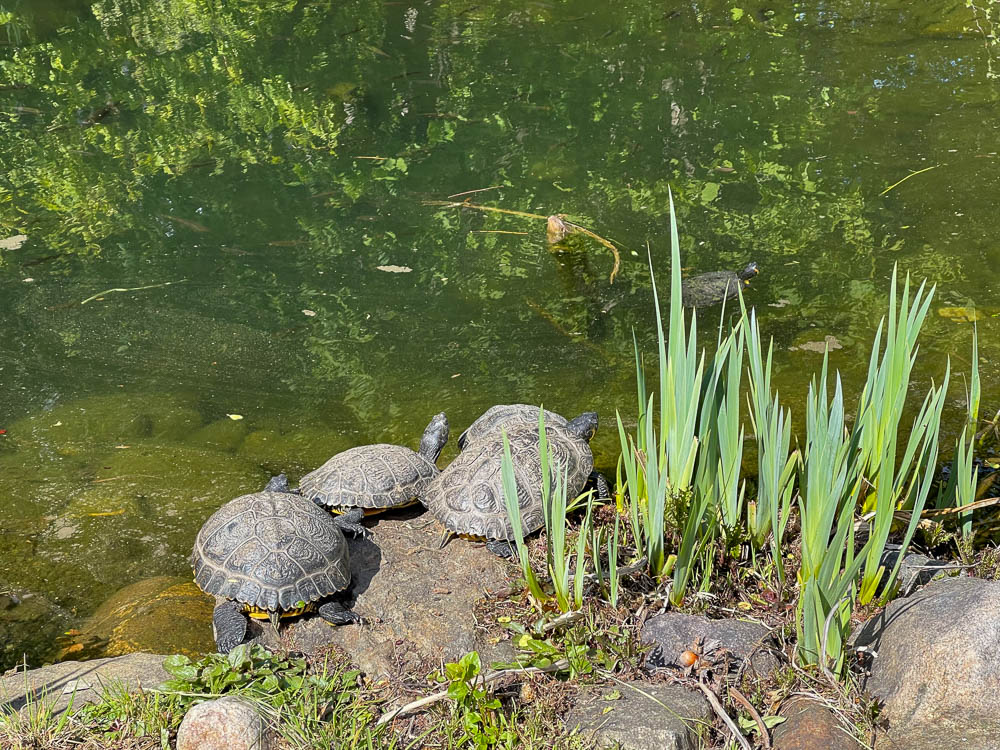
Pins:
x: 247, y: 187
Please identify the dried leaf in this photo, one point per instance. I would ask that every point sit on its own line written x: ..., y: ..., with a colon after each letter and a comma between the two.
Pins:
x: 394, y: 269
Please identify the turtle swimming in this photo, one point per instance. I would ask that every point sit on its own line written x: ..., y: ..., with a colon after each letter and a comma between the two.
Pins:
x: 468, y: 497
x: 273, y: 554
x: 377, y: 477
x: 716, y: 286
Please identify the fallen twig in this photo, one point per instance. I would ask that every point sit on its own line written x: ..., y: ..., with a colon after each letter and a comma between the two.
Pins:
x: 713, y: 701
x: 487, y: 678
x: 742, y: 700
x: 130, y: 289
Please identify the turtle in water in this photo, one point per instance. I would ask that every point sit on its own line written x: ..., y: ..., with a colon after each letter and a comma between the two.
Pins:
x: 468, y: 496
x: 506, y: 417
x: 377, y: 477
x: 716, y: 286
x: 269, y: 555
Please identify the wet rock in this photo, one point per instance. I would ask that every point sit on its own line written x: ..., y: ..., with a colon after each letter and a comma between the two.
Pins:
x: 667, y: 717
x: 419, y: 600
x: 810, y: 725
x: 937, y: 653
x: 81, y: 682
x: 164, y: 613
x: 228, y: 723
x: 672, y: 633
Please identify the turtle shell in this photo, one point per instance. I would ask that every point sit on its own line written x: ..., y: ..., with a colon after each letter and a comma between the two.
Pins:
x: 369, y: 476
x: 710, y: 288
x: 271, y: 550
x: 468, y: 498
x: 507, y: 417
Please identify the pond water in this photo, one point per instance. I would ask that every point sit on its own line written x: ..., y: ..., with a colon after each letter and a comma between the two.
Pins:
x: 225, y: 207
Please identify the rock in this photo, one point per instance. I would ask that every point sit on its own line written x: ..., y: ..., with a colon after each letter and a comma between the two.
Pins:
x: 937, y: 653
x: 419, y: 600
x: 164, y: 613
x: 81, y: 681
x: 810, y: 725
x: 635, y: 721
x: 916, y: 569
x: 672, y: 633
x: 228, y: 723
x: 965, y: 732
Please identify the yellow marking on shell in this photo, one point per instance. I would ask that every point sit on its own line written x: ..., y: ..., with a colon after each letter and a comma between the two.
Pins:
x: 473, y: 537
x: 262, y: 614
x: 341, y: 510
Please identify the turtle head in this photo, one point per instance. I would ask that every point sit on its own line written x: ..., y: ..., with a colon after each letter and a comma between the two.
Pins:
x: 277, y: 484
x: 435, y: 436
x: 584, y: 426
x: 749, y: 272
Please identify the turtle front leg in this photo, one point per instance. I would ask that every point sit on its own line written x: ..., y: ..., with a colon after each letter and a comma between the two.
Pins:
x: 601, y: 484
x: 351, y: 522
x: 230, y: 625
x: 336, y: 613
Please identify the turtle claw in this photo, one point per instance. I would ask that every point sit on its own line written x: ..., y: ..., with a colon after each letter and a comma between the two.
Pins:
x: 336, y: 613
x: 350, y: 522
x: 230, y: 625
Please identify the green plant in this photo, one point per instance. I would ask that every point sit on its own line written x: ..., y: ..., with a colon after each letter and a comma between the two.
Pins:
x: 567, y: 588
x: 768, y: 516
x: 480, y: 723
x: 960, y: 489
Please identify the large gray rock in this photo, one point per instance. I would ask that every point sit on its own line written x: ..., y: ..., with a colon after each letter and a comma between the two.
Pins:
x: 810, y: 725
x: 938, y: 653
x: 228, y: 723
x: 968, y: 732
x: 641, y: 716
x: 672, y: 633
x: 419, y: 601
x: 82, y: 682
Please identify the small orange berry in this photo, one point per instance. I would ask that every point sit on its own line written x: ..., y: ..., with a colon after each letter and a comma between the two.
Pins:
x: 688, y: 658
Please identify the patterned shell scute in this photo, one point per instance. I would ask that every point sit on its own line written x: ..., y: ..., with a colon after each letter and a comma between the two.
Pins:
x: 271, y: 550
x: 507, y: 417
x: 369, y: 476
x: 468, y: 495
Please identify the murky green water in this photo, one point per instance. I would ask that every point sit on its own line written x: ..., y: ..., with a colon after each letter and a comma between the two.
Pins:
x: 264, y: 158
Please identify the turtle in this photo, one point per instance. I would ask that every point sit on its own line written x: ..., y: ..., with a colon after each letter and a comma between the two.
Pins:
x: 716, y: 286
x: 506, y: 417
x: 273, y: 554
x: 377, y: 477
x: 468, y: 497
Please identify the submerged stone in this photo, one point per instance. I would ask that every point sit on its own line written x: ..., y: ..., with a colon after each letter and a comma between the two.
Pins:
x: 164, y: 613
